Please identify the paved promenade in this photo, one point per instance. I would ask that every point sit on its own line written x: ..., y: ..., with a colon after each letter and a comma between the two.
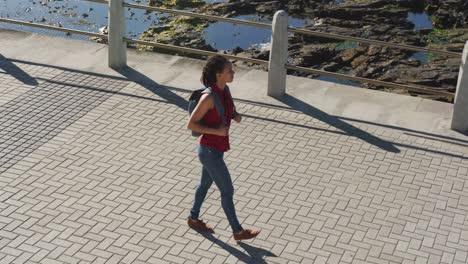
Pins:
x: 96, y: 166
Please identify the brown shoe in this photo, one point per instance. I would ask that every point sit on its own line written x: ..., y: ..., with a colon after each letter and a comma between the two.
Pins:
x: 246, y: 234
x: 199, y: 225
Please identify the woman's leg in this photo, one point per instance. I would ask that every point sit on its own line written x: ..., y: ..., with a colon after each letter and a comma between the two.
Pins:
x: 200, y: 193
x: 213, y: 161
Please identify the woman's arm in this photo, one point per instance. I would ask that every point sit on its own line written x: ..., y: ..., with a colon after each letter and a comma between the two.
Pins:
x: 206, y: 103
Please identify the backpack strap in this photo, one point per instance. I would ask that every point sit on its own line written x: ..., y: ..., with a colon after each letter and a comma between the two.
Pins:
x: 218, y: 105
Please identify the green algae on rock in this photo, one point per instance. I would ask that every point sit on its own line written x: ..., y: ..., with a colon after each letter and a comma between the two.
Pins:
x: 182, y: 31
x: 180, y: 4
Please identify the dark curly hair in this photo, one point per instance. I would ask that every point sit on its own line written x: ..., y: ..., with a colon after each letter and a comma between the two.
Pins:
x: 215, y: 64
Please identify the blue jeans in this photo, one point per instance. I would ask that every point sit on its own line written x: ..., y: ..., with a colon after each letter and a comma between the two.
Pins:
x: 214, y: 169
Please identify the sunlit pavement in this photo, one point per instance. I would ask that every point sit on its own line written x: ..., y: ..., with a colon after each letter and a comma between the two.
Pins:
x: 97, y: 166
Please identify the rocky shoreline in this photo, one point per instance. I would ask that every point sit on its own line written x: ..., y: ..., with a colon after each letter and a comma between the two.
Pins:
x: 384, y: 20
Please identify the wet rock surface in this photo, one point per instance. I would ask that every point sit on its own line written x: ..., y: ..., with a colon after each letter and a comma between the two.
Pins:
x: 182, y: 31
x: 448, y: 13
x: 384, y: 20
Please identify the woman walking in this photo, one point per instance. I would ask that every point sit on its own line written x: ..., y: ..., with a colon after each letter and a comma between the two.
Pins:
x: 214, y: 141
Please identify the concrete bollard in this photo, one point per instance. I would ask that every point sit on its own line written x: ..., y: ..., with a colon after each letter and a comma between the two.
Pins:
x: 117, y: 46
x: 278, y: 55
x: 460, y: 107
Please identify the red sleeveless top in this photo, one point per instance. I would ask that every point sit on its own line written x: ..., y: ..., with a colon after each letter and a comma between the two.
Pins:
x: 212, y: 119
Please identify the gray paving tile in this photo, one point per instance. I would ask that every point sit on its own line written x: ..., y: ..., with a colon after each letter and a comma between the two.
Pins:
x: 40, y: 114
x: 93, y: 177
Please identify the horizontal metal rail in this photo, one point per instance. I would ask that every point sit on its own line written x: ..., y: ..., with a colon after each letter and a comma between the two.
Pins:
x: 425, y: 90
x: 68, y: 30
x: 376, y: 42
x: 207, y: 17
x: 98, y: 1
x: 294, y: 30
x: 194, y: 51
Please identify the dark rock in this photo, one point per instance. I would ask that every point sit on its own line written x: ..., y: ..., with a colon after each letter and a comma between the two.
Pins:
x: 349, y: 55
x: 448, y: 13
x: 180, y: 4
x: 384, y: 20
x: 333, y: 67
x: 237, y: 50
x: 229, y: 8
x: 313, y: 55
x: 269, y: 7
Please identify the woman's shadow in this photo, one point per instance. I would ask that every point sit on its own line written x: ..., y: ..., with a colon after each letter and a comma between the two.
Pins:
x: 254, y: 254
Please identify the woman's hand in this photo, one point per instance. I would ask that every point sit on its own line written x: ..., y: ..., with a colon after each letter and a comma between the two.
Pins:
x: 238, y: 118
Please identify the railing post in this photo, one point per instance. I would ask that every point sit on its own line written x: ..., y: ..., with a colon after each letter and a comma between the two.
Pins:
x: 117, y: 46
x: 460, y: 107
x: 278, y: 55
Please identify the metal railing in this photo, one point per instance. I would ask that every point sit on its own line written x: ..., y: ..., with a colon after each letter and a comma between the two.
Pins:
x: 67, y: 30
x: 374, y: 42
x: 426, y: 90
x: 294, y: 30
x: 119, y: 40
x: 421, y: 89
x: 203, y: 16
x: 194, y: 51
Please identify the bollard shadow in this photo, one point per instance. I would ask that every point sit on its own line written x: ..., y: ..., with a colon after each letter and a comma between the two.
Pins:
x: 11, y: 69
x: 149, y: 84
x: 351, y: 130
x: 254, y: 254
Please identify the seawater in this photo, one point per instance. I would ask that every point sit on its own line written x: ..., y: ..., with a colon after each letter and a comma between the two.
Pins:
x: 90, y: 16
